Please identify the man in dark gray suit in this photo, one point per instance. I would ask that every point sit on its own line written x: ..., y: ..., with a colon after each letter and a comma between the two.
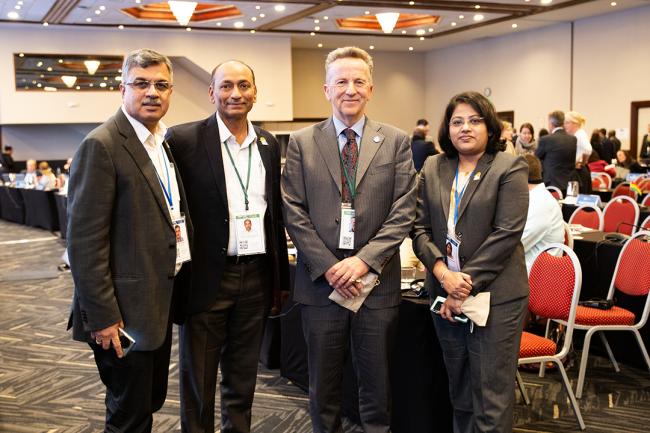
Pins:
x: 348, y: 189
x: 557, y: 151
x: 124, y: 199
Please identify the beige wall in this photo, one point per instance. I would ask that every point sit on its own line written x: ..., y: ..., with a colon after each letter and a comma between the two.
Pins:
x: 273, y: 71
x: 529, y: 72
x: 398, y: 79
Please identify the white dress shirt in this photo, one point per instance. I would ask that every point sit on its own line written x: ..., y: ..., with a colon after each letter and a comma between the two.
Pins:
x: 256, y: 188
x: 544, y: 224
x: 339, y: 127
x: 584, y: 146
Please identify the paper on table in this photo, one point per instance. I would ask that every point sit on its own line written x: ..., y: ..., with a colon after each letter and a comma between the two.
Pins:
x: 369, y: 281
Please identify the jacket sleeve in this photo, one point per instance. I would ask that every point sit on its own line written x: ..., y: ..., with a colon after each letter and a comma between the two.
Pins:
x: 422, y: 236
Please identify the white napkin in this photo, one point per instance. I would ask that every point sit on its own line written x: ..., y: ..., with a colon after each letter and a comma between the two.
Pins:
x: 369, y: 281
x: 477, y: 308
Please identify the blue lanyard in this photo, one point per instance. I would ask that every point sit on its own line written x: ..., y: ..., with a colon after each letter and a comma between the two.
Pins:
x: 458, y: 196
x: 167, y: 191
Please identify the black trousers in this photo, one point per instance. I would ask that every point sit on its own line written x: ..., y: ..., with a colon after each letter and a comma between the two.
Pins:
x: 230, y: 335
x: 332, y: 332
x: 136, y: 385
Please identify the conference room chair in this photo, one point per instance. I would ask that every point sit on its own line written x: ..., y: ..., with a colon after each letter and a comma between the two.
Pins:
x: 555, y: 192
x: 601, y: 180
x: 555, y: 280
x: 621, y: 215
x: 568, y: 237
x: 597, y: 183
x: 588, y: 216
x: 623, y: 188
x: 645, y: 225
x: 632, y: 277
x: 646, y: 200
x: 644, y: 184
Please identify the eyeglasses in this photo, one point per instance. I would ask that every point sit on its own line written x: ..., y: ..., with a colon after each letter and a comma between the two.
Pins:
x: 161, y: 86
x: 459, y: 122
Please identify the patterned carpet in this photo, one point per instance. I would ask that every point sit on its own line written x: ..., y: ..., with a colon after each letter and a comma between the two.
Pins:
x: 49, y: 383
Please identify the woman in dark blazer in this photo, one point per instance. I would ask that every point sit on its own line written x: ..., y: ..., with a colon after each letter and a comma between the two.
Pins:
x: 477, y: 198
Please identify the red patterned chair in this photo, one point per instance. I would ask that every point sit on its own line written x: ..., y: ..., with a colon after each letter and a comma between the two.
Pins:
x: 606, y: 178
x: 646, y: 200
x: 621, y: 215
x: 645, y: 225
x: 554, y: 292
x: 588, y: 216
x: 597, y: 182
x: 555, y: 192
x: 623, y: 188
x: 632, y: 277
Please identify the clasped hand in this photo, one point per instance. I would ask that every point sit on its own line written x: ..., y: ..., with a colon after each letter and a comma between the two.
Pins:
x: 107, y: 336
x: 458, y: 285
x: 345, y: 276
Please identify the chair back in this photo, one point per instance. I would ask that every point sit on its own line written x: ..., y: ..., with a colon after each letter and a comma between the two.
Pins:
x: 632, y: 272
x: 555, y: 192
x: 621, y: 215
x: 587, y: 216
x: 568, y: 237
x: 605, y: 177
x: 623, y: 188
x: 644, y: 184
x: 555, y: 282
x: 646, y: 200
x: 645, y: 225
x: 597, y: 183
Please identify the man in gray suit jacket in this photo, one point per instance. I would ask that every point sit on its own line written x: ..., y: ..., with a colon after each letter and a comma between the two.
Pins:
x: 348, y: 207
x: 125, y: 197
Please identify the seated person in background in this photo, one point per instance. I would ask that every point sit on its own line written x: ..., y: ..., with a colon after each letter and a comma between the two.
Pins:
x: 544, y: 224
x: 626, y: 162
x: 598, y: 165
x: 30, y: 172
x: 47, y: 180
x: 421, y: 148
x: 506, y: 138
x: 7, y: 160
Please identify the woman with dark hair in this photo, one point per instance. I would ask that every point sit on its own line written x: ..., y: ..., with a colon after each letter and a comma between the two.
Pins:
x: 624, y: 159
x: 526, y: 143
x: 476, y: 199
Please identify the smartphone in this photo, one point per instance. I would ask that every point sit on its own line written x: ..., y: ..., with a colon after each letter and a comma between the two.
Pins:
x: 437, y: 303
x: 126, y: 341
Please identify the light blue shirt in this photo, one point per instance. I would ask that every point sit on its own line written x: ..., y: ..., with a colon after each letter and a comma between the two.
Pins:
x: 339, y: 127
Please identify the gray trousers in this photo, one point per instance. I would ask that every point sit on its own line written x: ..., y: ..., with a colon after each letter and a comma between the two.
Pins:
x: 331, y: 333
x: 481, y: 367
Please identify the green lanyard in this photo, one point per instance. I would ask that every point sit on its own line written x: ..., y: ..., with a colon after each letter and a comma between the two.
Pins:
x: 351, y: 183
x: 248, y: 176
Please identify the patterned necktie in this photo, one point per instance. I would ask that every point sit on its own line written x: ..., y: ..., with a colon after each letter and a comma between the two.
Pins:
x: 349, y: 155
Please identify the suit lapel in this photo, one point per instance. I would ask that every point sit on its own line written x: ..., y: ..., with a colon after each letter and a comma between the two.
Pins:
x: 446, y: 172
x: 267, y: 161
x: 139, y: 154
x: 328, y: 146
x: 371, y: 141
x: 481, y: 170
x: 211, y: 142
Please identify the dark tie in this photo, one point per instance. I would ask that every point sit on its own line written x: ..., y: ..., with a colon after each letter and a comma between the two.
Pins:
x: 349, y: 155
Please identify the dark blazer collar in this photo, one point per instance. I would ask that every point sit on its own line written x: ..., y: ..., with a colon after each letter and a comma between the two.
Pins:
x: 141, y: 158
x: 447, y: 172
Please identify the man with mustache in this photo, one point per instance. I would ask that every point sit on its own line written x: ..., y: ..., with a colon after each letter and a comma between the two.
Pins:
x: 231, y: 170
x: 124, y: 199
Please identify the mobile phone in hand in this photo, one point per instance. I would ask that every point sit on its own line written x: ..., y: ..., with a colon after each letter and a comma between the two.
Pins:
x: 126, y: 341
x: 437, y: 304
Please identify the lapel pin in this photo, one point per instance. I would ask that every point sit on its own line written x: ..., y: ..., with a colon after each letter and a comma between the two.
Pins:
x: 376, y: 139
x: 263, y: 141
x: 477, y: 176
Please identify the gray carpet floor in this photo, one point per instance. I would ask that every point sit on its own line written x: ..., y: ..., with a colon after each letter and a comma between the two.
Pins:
x: 49, y: 383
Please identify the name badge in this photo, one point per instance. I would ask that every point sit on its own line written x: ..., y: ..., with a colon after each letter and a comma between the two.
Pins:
x: 182, y: 243
x: 348, y: 220
x: 249, y: 233
x: 452, y: 246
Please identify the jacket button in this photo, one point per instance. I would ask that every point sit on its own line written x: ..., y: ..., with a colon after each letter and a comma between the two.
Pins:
x: 225, y: 222
x: 223, y: 250
x: 336, y: 220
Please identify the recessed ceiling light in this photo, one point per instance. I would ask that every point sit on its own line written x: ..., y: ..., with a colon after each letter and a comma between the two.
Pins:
x: 411, y: 3
x: 527, y: 1
x: 372, y: 47
x: 279, y: 8
x: 410, y: 48
x: 17, y: 7
x: 13, y: 15
x: 102, y: 85
x: 478, y: 17
x: 316, y: 21
x: 33, y: 81
x: 326, y: 17
x: 219, y: 24
x: 20, y: 2
x: 121, y: 27
x: 546, y: 2
x: 102, y: 8
x: 110, y: 88
x: 60, y: 60
x: 253, y: 31
x: 421, y: 38
x: 317, y: 28
x: 49, y: 69
x: 97, y: 12
x: 39, y: 64
x: 258, y: 7
x: 403, y: 32
x: 420, y: 32
x: 45, y: 24
x: 477, y: 6
x: 453, y: 23
x: 21, y: 55
x: 39, y: 85
x: 253, y: 19
x: 430, y: 29
x: 138, y: 1
x: 91, y: 84
x: 188, y: 29
x: 320, y: 45
x: 312, y: 34
x: 514, y: 26
x: 50, y: 89
x: 461, y: 17
x: 238, y: 24
x: 262, y: 15
x: 78, y: 87
x: 89, y: 20
x: 612, y: 4
x: 42, y: 76
x: 105, y: 78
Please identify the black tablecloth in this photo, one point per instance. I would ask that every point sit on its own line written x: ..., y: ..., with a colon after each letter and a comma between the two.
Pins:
x: 40, y: 209
x: 598, y: 260
x: 568, y: 209
x: 606, y: 195
x: 61, y: 210
x: 12, y: 207
x: 419, y: 379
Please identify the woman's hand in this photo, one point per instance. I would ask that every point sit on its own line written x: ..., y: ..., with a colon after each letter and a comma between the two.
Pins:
x: 458, y: 285
x: 451, y: 308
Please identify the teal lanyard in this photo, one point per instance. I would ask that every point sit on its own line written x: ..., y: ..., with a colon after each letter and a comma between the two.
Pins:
x: 167, y: 191
x: 248, y: 176
x: 459, y: 195
x: 352, y: 183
